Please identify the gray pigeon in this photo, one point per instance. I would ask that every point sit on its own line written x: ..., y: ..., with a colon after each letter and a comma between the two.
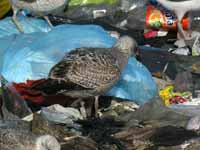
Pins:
x: 11, y: 139
x: 89, y: 72
x: 40, y: 7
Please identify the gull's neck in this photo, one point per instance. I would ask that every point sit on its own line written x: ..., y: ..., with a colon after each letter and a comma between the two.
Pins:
x: 122, y: 58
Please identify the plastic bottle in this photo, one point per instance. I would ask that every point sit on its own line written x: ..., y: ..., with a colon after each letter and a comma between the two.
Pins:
x: 155, y: 16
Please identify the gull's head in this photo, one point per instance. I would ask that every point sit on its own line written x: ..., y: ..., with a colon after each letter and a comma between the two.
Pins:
x: 126, y: 45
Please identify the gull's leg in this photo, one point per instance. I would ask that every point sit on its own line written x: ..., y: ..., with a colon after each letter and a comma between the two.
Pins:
x: 96, y: 106
x: 181, y: 31
x: 48, y: 21
x: 83, y: 110
x: 82, y: 107
x: 14, y: 19
x: 180, y: 15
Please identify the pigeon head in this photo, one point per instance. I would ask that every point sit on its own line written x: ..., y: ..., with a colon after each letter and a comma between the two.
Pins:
x: 47, y: 142
x: 126, y: 45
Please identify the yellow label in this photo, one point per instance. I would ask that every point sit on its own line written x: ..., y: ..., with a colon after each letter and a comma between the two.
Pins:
x: 4, y: 7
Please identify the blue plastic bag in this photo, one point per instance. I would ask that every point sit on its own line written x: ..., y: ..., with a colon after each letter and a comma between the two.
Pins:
x: 135, y: 84
x: 31, y: 56
x: 34, y: 54
x: 7, y: 27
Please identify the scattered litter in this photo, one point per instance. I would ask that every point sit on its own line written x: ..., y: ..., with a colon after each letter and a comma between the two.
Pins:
x: 48, y: 103
x: 59, y: 114
x: 171, y: 97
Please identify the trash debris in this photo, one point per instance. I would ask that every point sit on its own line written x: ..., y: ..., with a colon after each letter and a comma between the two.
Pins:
x: 112, y: 12
x: 190, y: 109
x: 4, y: 7
x: 30, y: 25
x: 196, y: 47
x: 153, y: 138
x: 183, y: 81
x: 155, y: 15
x: 15, y: 124
x: 117, y: 108
x: 156, y: 59
x: 182, y: 51
x: 189, y: 47
x: 161, y: 83
x: 42, y: 126
x: 74, y: 3
x: 155, y: 113
x: 59, y: 114
x: 25, y: 140
x: 171, y: 97
x: 54, y: 93
x: 154, y: 33
x: 193, y: 123
x: 13, y: 106
x: 84, y: 143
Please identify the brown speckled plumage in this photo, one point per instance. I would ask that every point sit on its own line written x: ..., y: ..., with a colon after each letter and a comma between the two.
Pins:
x: 93, y: 70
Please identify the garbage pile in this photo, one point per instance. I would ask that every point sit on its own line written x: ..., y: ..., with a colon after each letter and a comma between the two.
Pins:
x: 99, y: 75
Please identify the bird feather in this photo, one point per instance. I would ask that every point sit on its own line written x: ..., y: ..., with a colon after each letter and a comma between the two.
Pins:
x: 88, y: 68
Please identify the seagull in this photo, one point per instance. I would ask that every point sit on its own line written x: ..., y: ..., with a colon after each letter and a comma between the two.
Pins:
x: 89, y: 72
x: 180, y: 8
x: 12, y: 139
x: 40, y: 7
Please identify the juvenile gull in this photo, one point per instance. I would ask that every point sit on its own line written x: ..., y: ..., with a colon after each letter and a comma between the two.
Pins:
x: 89, y: 72
x: 40, y: 7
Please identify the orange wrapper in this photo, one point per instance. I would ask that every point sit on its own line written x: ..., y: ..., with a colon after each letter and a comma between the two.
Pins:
x: 161, y: 18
